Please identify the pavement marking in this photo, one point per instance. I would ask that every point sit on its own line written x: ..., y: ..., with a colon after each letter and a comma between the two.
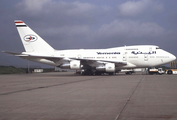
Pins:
x: 119, y: 114
x: 42, y: 87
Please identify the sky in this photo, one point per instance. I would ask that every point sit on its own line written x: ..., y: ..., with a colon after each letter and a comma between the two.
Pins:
x: 88, y: 24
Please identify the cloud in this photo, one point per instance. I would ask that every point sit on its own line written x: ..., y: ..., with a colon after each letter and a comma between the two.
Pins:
x: 130, y: 29
x: 134, y: 8
x: 75, y: 20
x: 158, y: 7
x: 33, y: 5
x: 68, y: 31
x: 48, y: 7
x: 79, y: 8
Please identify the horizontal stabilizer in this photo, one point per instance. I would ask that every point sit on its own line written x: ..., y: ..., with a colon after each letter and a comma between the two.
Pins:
x: 12, y: 53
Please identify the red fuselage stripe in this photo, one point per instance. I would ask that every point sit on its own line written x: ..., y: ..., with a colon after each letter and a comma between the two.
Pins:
x: 19, y: 22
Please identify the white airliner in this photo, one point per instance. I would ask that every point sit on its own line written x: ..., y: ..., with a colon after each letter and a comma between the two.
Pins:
x: 91, y: 61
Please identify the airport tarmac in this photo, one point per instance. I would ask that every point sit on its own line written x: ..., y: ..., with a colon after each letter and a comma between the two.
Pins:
x: 65, y: 96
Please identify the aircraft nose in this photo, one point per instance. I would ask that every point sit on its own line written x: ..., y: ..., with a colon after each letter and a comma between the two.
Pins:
x: 172, y: 57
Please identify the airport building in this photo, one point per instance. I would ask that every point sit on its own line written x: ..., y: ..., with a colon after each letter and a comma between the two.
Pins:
x: 38, y: 70
x: 173, y: 64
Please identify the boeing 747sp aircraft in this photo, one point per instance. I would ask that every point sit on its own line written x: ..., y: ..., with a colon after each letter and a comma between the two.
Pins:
x: 91, y: 61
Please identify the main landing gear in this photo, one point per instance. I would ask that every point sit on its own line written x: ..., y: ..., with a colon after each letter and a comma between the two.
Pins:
x: 92, y: 72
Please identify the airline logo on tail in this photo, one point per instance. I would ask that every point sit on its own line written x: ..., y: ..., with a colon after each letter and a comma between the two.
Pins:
x: 30, y: 38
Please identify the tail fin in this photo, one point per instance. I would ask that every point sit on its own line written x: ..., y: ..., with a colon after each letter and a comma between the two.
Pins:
x: 32, y: 42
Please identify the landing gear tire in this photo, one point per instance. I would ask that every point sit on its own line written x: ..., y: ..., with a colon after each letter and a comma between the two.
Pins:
x: 169, y: 72
x: 98, y: 73
x: 150, y: 73
x: 128, y: 73
x: 111, y: 73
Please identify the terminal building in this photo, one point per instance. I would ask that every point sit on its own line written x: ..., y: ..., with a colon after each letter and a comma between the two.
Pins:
x: 173, y: 64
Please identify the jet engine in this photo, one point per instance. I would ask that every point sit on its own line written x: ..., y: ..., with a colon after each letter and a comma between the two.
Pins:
x: 108, y: 67
x: 73, y: 65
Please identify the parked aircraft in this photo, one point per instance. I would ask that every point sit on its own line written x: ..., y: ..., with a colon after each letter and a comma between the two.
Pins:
x: 91, y: 61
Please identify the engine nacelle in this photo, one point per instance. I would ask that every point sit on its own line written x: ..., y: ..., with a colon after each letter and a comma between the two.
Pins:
x: 108, y: 67
x: 73, y: 65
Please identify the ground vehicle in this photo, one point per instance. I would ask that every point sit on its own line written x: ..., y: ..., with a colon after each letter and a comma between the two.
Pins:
x: 171, y: 71
x: 128, y: 71
x: 156, y: 71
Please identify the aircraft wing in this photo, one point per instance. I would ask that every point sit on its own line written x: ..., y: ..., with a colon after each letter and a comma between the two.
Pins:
x: 59, y: 60
x: 99, y: 62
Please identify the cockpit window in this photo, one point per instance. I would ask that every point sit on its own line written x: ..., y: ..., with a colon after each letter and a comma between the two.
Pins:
x: 158, y: 48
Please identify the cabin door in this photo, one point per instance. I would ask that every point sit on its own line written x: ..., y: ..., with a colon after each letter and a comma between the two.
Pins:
x: 79, y: 56
x: 125, y: 56
x: 145, y: 57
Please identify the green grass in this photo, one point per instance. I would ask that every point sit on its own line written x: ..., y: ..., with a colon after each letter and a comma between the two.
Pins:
x: 11, y: 70
x: 14, y: 70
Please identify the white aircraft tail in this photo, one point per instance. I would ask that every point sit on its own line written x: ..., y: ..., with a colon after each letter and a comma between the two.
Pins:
x: 32, y: 42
